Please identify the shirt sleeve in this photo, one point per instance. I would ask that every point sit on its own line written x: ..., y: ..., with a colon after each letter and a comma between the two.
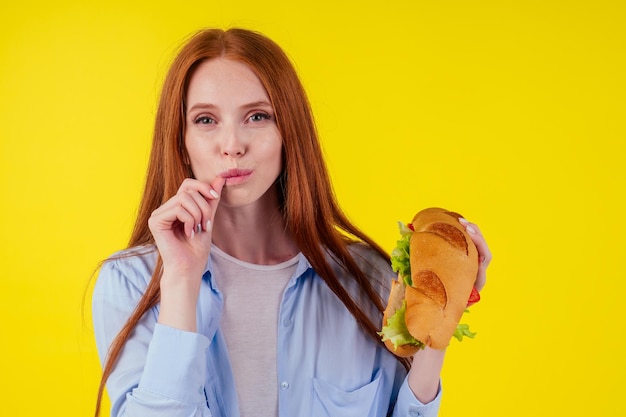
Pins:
x: 161, y: 370
x: 407, y: 404
x: 381, y: 275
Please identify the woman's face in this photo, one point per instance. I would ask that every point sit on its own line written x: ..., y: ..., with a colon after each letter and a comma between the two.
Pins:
x: 231, y: 131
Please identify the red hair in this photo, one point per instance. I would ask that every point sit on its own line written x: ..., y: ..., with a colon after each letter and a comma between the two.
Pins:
x: 308, y: 204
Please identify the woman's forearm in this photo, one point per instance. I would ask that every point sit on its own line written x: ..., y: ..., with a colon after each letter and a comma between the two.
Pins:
x: 179, y: 297
x: 425, y: 374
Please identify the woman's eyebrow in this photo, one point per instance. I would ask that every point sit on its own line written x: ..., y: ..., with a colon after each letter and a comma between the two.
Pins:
x: 260, y: 103
x: 202, y: 106
x: 210, y: 106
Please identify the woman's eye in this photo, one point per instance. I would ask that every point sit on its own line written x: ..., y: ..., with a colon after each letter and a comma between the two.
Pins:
x: 259, y: 117
x: 203, y: 120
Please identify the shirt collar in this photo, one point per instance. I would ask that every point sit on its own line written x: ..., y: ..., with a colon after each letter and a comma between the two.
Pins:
x: 301, y: 268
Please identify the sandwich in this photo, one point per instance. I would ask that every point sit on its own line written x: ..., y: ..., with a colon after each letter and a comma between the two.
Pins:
x: 437, y: 262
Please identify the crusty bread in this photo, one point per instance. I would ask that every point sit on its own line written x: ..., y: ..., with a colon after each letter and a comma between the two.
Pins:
x: 444, y: 264
x: 396, y: 297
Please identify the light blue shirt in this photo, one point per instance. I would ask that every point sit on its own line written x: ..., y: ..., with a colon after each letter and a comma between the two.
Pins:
x: 326, y: 365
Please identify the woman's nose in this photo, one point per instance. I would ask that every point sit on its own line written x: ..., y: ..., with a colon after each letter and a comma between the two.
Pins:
x: 232, y: 145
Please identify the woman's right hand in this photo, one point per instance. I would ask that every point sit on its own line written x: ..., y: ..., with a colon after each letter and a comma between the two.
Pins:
x: 182, y: 228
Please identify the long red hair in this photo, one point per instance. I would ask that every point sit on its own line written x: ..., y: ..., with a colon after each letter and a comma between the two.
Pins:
x: 308, y: 203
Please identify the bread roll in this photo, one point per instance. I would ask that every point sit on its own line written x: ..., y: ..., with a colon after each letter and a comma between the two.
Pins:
x: 444, y: 264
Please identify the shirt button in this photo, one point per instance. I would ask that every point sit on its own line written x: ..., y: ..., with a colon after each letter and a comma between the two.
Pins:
x: 415, y: 413
x: 287, y: 322
x: 284, y: 385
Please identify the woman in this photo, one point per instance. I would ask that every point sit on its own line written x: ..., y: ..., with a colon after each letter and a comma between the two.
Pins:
x: 245, y: 290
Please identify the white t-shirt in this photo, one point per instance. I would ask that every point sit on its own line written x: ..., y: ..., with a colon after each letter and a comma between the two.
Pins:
x: 252, y: 295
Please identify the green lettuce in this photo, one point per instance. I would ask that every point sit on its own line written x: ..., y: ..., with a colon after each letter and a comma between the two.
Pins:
x: 463, y: 330
x: 396, y: 330
x: 400, y: 255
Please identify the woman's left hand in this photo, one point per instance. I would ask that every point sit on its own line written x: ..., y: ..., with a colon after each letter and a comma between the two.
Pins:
x: 484, y: 254
x: 425, y: 371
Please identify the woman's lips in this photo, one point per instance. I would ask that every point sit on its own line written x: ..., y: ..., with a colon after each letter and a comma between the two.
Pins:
x: 235, y: 176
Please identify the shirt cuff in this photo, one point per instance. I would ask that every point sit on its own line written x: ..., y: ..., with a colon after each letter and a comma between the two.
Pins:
x: 176, y: 365
x: 407, y: 404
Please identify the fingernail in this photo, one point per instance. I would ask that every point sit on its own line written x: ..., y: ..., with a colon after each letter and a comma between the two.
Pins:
x: 470, y: 229
x: 214, y: 193
x: 193, y: 233
x: 462, y: 220
x: 198, y: 228
x: 208, y: 225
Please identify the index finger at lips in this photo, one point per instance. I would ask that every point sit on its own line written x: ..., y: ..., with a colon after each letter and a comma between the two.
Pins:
x: 211, y: 191
x: 216, y: 191
x: 188, y: 184
x: 218, y: 184
x: 208, y: 191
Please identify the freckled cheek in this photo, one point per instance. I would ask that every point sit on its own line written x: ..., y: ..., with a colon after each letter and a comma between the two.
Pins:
x: 273, y: 155
x: 271, y: 147
x: 201, y: 157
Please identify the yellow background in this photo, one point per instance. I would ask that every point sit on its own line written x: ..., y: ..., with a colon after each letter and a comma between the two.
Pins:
x: 511, y: 112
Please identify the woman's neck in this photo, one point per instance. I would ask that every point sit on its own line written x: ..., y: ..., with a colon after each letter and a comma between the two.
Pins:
x: 256, y: 234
